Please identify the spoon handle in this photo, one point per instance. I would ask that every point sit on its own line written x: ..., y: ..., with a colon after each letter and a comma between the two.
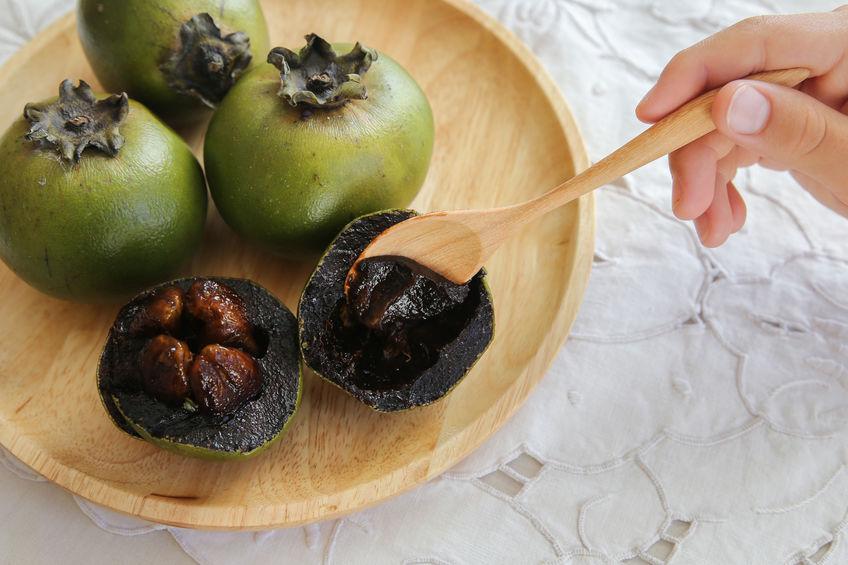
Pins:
x: 683, y: 126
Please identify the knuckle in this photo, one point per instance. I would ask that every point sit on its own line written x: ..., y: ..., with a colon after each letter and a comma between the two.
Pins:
x: 726, y: 170
x: 675, y: 159
x: 841, y: 15
x: 813, y: 133
x: 682, y: 161
x: 680, y: 60
x: 755, y: 24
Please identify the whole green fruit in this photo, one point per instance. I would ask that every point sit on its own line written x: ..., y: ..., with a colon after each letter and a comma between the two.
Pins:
x: 290, y: 162
x: 175, y: 56
x: 98, y: 199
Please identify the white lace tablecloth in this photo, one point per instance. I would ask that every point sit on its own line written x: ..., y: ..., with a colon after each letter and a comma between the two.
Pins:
x: 698, y: 413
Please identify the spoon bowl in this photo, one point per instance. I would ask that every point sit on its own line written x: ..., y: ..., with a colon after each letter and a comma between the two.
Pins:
x: 456, y: 244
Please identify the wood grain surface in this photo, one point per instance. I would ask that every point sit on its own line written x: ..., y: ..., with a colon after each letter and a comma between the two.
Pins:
x: 504, y: 134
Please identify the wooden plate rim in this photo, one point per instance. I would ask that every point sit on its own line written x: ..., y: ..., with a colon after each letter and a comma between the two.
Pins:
x: 182, y: 513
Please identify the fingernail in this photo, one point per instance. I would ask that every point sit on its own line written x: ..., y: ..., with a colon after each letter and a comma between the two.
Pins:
x: 749, y: 111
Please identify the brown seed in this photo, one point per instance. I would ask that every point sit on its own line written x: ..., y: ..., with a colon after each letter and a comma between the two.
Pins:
x: 220, y: 315
x: 164, y: 369
x: 161, y: 313
x: 222, y: 379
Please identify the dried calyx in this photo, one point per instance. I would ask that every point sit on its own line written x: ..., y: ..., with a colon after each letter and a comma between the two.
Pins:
x: 318, y: 77
x: 218, y: 379
x: 207, y: 63
x: 78, y: 120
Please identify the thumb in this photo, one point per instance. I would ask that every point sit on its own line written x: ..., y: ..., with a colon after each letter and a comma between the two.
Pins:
x: 786, y: 126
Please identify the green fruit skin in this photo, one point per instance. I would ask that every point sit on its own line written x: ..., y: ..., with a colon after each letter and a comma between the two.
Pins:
x: 291, y: 181
x: 106, y: 227
x: 125, y: 41
x: 304, y: 344
x: 213, y: 454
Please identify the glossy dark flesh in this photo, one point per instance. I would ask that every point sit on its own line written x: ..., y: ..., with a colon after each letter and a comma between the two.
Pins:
x: 407, y: 340
x: 258, y: 421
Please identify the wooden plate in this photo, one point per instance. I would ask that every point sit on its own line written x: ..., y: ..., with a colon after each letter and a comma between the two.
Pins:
x: 503, y: 134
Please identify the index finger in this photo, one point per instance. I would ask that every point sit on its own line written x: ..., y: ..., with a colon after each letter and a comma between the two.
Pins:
x: 817, y: 41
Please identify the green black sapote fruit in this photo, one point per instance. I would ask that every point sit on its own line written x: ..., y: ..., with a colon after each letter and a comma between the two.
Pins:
x: 98, y: 198
x: 402, y: 336
x: 205, y: 367
x: 302, y: 146
x: 174, y: 55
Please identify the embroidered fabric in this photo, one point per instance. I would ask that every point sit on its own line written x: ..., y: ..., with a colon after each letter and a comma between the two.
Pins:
x: 699, y: 411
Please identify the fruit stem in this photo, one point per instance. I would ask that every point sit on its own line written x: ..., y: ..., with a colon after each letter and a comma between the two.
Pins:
x: 207, y: 63
x: 317, y: 77
x: 77, y: 120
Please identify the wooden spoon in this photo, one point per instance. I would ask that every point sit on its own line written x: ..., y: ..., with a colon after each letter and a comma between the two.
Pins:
x: 456, y: 244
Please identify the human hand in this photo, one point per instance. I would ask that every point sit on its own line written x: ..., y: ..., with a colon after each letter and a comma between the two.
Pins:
x: 804, y: 131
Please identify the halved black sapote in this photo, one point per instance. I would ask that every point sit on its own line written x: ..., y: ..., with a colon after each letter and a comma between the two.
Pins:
x: 402, y: 336
x: 205, y: 367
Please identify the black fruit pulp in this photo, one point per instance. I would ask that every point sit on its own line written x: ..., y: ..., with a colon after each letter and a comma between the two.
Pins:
x: 220, y: 307
x: 255, y: 423
x: 321, y: 307
x: 395, y: 320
